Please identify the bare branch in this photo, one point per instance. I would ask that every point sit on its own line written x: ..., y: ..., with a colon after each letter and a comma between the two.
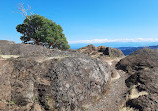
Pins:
x: 29, y: 9
x: 24, y: 11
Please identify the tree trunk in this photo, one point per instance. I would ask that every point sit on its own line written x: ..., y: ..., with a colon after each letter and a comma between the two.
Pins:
x: 50, y: 44
x: 37, y: 42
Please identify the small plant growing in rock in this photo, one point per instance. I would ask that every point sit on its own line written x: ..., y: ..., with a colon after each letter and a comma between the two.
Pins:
x: 84, y: 109
x: 11, y: 102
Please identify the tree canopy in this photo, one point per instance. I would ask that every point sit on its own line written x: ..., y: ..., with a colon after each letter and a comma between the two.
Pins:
x: 39, y: 30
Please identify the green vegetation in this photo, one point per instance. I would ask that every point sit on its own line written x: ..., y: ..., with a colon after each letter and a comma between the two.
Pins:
x: 84, y: 109
x: 11, y: 102
x: 39, y: 30
x: 47, y: 98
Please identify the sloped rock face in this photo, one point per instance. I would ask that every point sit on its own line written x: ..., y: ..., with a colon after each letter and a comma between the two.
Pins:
x: 68, y: 81
x: 23, y: 49
x: 142, y: 66
x: 5, y: 88
x: 88, y: 49
x: 101, y: 51
x: 4, y: 42
x: 28, y: 50
x: 143, y: 58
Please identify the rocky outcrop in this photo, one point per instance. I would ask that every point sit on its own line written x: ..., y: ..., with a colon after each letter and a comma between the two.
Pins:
x: 105, y: 54
x: 28, y: 50
x: 101, y: 51
x: 141, y: 59
x: 33, y: 78
x: 50, y: 80
x: 142, y: 67
x: 4, y: 42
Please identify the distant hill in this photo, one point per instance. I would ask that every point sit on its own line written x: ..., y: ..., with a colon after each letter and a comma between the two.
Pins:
x: 115, y: 44
x: 129, y: 50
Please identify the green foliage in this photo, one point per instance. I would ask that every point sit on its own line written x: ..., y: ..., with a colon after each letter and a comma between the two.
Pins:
x: 38, y: 30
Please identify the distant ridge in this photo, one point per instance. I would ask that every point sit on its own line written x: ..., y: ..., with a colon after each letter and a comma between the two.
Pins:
x: 129, y: 50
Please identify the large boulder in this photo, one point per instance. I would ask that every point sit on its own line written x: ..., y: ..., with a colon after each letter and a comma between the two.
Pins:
x: 63, y: 81
x: 143, y: 58
x: 142, y: 67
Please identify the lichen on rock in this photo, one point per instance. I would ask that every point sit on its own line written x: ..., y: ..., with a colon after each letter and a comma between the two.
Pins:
x: 65, y: 83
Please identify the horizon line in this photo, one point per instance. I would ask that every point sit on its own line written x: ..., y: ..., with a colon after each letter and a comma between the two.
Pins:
x: 92, y: 41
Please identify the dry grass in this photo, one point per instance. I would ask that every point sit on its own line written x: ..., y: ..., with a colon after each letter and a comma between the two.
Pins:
x: 9, y: 56
x: 127, y: 109
x: 133, y: 94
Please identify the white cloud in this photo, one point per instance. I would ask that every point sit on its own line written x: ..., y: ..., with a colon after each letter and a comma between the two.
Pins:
x: 114, y: 40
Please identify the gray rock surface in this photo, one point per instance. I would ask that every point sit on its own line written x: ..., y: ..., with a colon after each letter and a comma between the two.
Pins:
x: 48, y: 80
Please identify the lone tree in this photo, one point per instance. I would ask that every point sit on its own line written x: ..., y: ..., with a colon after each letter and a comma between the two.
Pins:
x: 39, y: 30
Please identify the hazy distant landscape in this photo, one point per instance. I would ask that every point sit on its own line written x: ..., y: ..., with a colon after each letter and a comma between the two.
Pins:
x: 126, y: 47
x: 115, y: 44
x: 129, y: 50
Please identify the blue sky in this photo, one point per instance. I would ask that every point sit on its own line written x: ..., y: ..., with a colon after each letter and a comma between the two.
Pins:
x: 88, y: 21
